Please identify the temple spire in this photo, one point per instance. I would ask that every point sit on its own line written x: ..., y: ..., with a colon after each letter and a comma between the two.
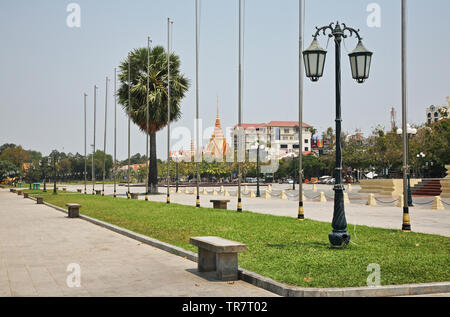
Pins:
x: 217, y: 106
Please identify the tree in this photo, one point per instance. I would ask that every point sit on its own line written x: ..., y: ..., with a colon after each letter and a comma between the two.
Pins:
x: 6, y: 146
x: 7, y: 169
x: 157, y: 94
x: 16, y: 155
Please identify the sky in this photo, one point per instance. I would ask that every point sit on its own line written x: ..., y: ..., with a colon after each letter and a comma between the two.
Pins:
x: 47, y: 66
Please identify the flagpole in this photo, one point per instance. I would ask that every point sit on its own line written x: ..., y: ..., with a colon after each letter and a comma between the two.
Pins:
x: 115, y: 130
x: 148, y: 117
x: 85, y: 146
x: 406, y: 227
x: 301, y: 215
x: 239, y: 206
x: 169, y: 22
x: 93, y: 146
x: 197, y: 204
x: 129, y: 124
x: 104, y: 137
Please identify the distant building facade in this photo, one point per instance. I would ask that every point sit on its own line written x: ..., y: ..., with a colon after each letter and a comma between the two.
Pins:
x: 281, y: 136
x: 435, y: 113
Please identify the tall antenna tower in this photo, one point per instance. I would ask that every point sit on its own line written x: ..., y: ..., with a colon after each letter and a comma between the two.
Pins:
x: 393, y: 118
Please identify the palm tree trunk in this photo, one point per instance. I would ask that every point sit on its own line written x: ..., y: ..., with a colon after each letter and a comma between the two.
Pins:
x: 153, y: 174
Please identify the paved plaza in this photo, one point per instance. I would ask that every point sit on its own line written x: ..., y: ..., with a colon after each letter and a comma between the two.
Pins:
x: 423, y: 218
x: 38, y: 243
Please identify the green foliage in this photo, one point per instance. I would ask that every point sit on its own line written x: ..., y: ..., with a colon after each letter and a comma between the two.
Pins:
x: 8, y: 169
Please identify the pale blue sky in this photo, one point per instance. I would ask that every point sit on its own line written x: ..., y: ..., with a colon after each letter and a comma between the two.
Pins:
x: 46, y: 66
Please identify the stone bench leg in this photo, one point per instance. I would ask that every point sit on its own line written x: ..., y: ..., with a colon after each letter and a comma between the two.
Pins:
x: 227, y: 266
x: 39, y: 201
x: 206, y: 260
x: 74, y: 212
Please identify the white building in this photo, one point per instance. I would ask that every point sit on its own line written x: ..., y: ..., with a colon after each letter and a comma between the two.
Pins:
x: 435, y: 114
x: 282, y: 136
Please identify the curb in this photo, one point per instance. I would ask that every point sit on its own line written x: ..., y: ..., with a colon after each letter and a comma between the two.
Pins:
x: 274, y: 286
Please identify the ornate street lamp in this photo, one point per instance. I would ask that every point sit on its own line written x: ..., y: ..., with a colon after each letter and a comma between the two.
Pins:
x: 422, y: 156
x: 360, y: 59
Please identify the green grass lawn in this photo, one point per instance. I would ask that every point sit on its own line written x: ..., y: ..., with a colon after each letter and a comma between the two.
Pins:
x: 282, y: 248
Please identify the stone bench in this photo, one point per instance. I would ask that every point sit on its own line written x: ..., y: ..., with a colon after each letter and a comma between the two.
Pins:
x: 98, y: 192
x: 19, y: 192
x: 39, y: 200
x: 74, y: 210
x: 25, y: 195
x: 219, y: 204
x: 219, y: 255
x: 134, y: 195
x: 79, y: 190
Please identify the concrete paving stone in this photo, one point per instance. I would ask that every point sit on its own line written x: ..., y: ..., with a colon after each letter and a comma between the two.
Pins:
x: 42, y: 242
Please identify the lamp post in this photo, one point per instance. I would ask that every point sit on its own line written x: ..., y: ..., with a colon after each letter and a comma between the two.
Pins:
x: 177, y: 157
x: 422, y: 156
x: 409, y: 133
x: 360, y: 60
x: 257, y: 146
x: 54, y: 174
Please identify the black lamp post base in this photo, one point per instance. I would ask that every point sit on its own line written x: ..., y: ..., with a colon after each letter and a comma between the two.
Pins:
x: 339, y: 239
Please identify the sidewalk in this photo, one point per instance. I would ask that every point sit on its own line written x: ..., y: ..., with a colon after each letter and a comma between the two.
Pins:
x: 37, y: 243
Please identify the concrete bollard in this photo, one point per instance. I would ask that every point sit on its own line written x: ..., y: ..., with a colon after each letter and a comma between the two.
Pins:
x: 172, y: 190
x: 314, y: 188
x: 39, y: 200
x: 371, y: 201
x: 73, y: 210
x: 215, y: 192
x: 204, y: 192
x: 283, y: 195
x: 400, y: 201
x: 252, y: 194
x: 267, y: 195
x: 322, y: 198
x: 269, y: 188
x: 346, y: 199
x: 226, y: 193
x: 222, y: 189
x: 437, y: 203
x: 245, y: 188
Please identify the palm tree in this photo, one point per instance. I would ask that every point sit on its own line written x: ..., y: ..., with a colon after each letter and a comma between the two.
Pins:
x: 179, y: 84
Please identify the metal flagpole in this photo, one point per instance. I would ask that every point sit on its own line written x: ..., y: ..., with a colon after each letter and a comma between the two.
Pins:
x: 169, y: 22
x: 197, y: 204
x: 85, y: 146
x: 129, y: 123
x: 301, y: 215
x: 239, y: 206
x: 406, y: 227
x: 104, y: 137
x: 148, y: 116
x: 115, y: 130
x: 93, y: 146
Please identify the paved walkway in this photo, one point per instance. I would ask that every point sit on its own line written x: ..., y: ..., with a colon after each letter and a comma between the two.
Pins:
x: 37, y: 243
x: 422, y: 220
